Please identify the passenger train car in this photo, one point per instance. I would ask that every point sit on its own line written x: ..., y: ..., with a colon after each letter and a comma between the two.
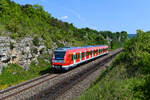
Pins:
x: 68, y: 57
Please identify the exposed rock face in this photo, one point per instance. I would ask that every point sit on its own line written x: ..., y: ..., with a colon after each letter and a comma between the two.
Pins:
x: 20, y: 52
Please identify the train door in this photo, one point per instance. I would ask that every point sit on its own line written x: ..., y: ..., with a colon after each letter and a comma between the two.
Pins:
x: 85, y: 55
x: 77, y: 57
x: 74, y: 56
x: 101, y: 51
x: 92, y: 53
x: 68, y: 59
x: 96, y: 52
x: 80, y: 56
x: 71, y: 57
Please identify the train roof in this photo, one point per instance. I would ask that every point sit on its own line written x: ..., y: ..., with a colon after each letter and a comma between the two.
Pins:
x: 73, y: 48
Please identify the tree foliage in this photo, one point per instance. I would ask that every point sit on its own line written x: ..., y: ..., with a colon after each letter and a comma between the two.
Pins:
x: 32, y: 20
x: 136, y: 60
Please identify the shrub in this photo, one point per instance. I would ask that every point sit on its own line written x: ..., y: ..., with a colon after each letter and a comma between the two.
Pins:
x: 36, y: 41
x: 14, y: 36
x: 35, y: 50
x: 12, y: 45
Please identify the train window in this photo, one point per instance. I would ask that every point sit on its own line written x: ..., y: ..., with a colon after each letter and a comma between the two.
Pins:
x: 59, y: 55
x: 71, y: 56
x: 74, y: 56
x: 79, y: 55
x: 82, y: 55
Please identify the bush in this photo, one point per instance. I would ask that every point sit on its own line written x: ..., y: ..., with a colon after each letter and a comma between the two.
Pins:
x: 35, y: 50
x: 12, y: 45
x: 36, y: 41
x: 14, y: 36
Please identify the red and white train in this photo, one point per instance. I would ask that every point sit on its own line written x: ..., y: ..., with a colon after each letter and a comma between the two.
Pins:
x: 68, y: 57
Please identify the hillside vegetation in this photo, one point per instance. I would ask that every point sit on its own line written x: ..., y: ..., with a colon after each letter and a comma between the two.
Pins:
x: 31, y: 20
x: 129, y: 76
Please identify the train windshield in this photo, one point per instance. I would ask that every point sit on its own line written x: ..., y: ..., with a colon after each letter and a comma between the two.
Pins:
x: 59, y: 55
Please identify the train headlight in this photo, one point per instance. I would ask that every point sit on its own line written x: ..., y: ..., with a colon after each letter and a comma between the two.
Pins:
x: 58, y: 61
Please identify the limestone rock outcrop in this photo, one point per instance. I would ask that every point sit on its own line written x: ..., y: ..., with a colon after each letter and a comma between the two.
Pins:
x: 21, y: 52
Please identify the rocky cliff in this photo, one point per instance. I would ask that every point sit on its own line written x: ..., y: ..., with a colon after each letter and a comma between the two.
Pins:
x: 21, y: 51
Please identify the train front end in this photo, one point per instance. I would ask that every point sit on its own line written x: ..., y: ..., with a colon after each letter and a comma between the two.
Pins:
x: 58, y: 59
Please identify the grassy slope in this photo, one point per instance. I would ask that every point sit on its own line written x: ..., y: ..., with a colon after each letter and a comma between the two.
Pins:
x: 112, y: 84
x: 14, y: 74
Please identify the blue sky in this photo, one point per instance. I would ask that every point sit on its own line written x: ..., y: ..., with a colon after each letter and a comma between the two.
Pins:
x: 113, y: 15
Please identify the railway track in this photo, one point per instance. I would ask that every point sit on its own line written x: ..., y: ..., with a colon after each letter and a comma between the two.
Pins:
x: 12, y: 91
x: 50, y: 86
